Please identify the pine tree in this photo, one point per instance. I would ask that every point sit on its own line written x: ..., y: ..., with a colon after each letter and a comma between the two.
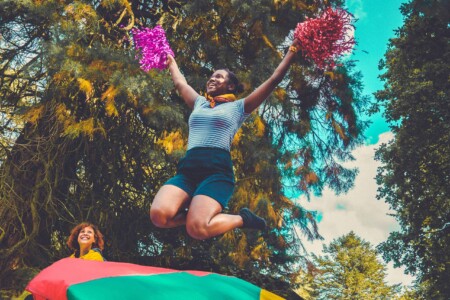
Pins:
x: 93, y: 137
x: 416, y: 163
x: 351, y: 270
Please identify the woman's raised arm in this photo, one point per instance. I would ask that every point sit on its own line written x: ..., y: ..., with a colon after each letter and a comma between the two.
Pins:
x: 260, y: 94
x: 186, y: 91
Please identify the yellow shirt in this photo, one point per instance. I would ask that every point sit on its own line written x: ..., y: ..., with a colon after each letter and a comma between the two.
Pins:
x: 91, y: 255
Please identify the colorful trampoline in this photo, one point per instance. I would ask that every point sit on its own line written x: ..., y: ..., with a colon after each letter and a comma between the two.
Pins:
x: 77, y: 279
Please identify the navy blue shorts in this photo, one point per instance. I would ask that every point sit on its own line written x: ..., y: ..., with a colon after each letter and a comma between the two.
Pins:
x: 206, y: 171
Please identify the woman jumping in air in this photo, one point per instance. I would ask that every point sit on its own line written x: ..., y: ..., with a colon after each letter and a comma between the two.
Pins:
x: 204, y: 181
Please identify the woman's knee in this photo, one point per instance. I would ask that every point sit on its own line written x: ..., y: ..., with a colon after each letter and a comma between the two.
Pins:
x: 197, y: 230
x: 159, y: 217
x: 167, y: 204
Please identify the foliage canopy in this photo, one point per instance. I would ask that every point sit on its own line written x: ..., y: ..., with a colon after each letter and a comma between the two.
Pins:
x: 87, y: 135
x: 350, y: 269
x: 415, y: 168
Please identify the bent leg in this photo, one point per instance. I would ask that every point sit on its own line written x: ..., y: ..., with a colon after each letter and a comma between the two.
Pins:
x: 168, y: 207
x: 205, y: 218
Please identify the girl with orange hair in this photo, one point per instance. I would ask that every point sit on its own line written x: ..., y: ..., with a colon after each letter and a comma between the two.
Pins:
x: 86, y: 241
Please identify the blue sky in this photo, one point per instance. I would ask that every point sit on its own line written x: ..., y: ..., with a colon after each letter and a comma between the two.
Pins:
x: 359, y: 210
x: 375, y: 25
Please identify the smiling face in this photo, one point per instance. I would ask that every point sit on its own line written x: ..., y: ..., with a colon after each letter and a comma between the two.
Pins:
x: 86, y: 237
x: 219, y: 84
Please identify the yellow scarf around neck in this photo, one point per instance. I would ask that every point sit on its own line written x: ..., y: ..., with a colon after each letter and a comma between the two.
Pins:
x: 220, y: 99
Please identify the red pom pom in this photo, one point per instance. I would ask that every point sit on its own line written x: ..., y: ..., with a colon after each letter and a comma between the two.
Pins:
x: 326, y: 38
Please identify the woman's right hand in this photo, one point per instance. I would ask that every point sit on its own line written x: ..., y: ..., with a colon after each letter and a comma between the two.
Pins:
x: 170, y: 60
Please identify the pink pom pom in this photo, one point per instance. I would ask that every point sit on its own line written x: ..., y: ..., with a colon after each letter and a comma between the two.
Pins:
x: 327, y: 37
x: 152, y: 46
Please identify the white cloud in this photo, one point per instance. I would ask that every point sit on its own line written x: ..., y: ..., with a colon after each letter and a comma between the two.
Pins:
x: 358, y: 210
x: 356, y: 7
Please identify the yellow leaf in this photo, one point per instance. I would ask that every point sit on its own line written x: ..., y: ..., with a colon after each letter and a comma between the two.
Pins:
x: 237, y: 137
x: 240, y: 255
x: 311, y: 178
x: 63, y: 115
x: 85, y: 127
x: 280, y: 94
x: 260, y: 127
x: 111, y: 109
x: 270, y: 45
x: 34, y: 114
x: 74, y: 50
x: 83, y: 12
x: 86, y: 87
x: 339, y: 129
x: 271, y: 213
x: 288, y: 165
x: 147, y: 110
x: 172, y: 141
x: 109, y: 96
x: 330, y: 74
x: 299, y: 170
x: 61, y: 76
x: 133, y: 99
x: 256, y: 252
x: 110, y: 93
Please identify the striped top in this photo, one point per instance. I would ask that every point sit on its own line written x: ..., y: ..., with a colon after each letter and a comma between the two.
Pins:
x: 215, y: 127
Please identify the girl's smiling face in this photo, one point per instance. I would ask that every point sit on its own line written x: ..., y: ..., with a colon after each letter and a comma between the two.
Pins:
x: 86, y: 237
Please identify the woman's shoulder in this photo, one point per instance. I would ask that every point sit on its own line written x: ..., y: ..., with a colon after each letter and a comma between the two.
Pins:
x: 240, y: 103
x: 201, y: 99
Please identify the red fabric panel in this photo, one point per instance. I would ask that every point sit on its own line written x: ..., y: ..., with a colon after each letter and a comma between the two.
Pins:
x: 53, y: 281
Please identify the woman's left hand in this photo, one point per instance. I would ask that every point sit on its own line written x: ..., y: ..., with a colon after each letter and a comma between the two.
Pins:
x: 295, y: 46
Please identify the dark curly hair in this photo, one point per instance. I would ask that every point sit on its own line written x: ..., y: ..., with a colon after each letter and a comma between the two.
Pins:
x: 238, y: 87
x: 72, y: 241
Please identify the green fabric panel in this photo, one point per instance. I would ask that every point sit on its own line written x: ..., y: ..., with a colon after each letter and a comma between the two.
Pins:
x: 165, y: 286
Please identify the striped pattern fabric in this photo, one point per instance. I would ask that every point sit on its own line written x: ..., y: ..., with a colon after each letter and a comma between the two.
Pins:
x: 78, y: 279
x: 215, y: 127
